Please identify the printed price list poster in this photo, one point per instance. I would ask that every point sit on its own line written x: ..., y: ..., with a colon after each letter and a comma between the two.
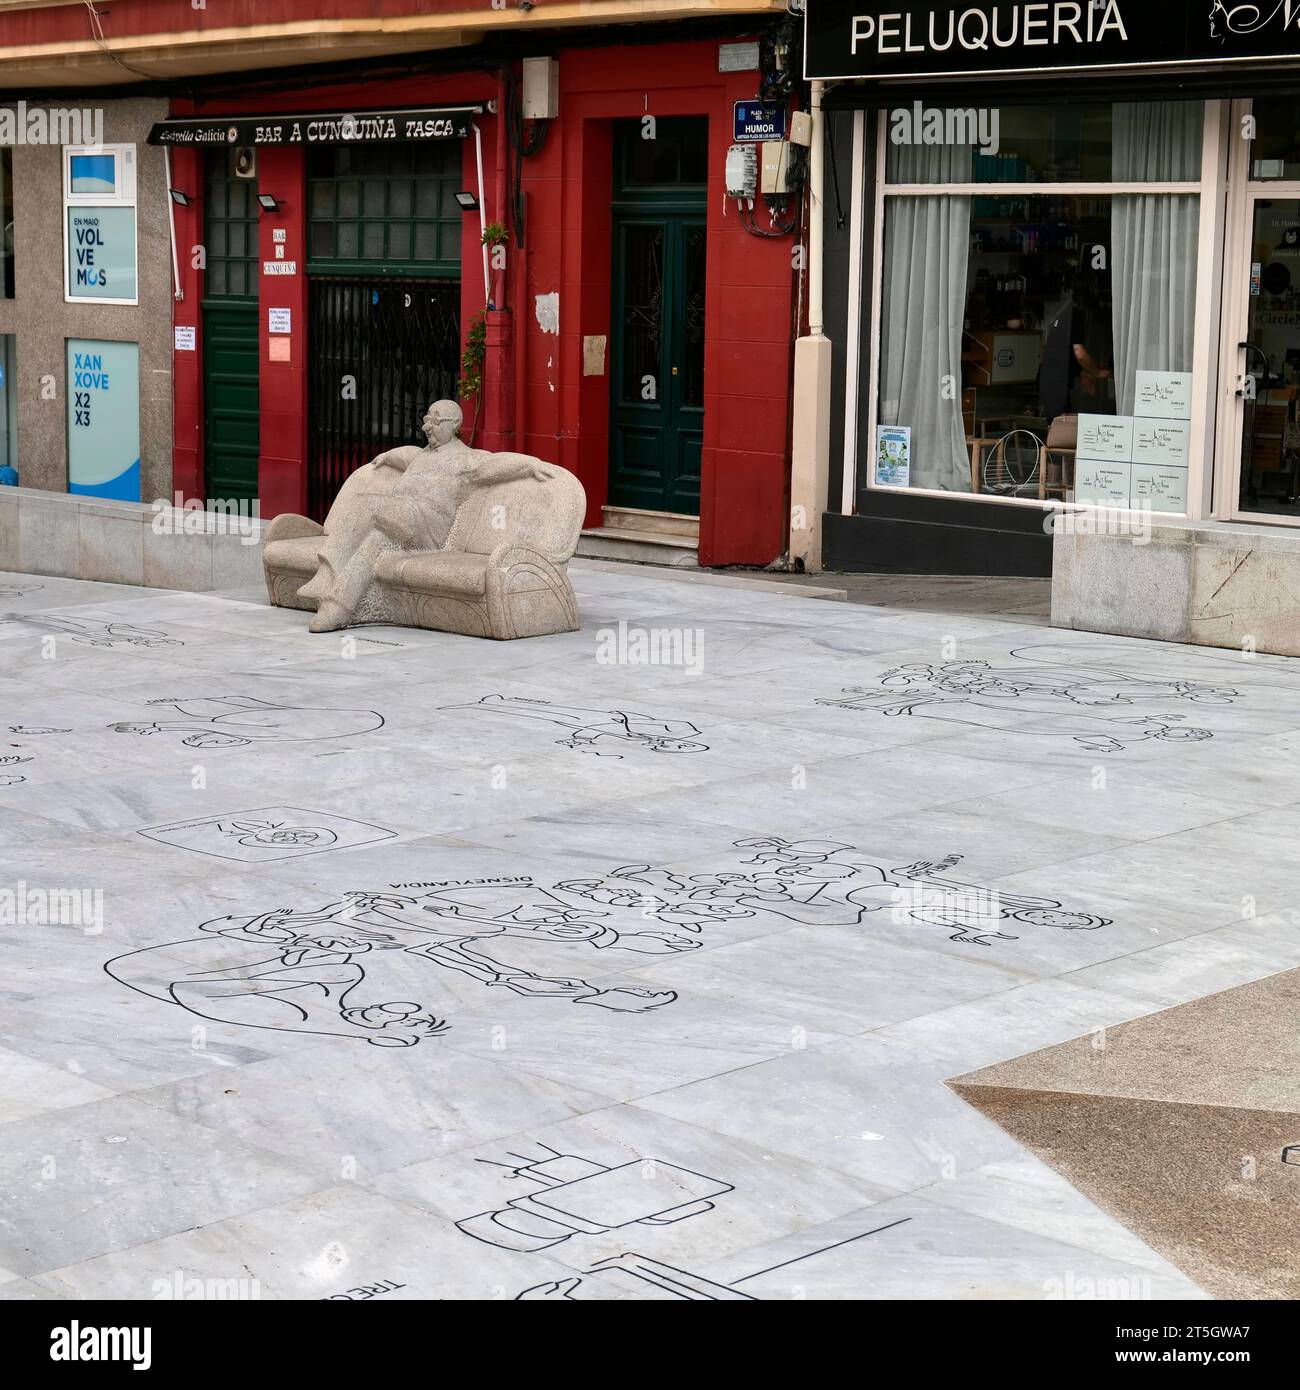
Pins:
x: 1139, y: 460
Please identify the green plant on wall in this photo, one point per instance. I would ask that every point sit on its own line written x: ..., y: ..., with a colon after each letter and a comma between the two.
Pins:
x: 472, y: 359
x: 471, y: 364
x: 475, y: 353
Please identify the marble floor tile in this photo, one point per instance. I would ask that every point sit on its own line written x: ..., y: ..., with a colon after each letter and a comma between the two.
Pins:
x: 654, y: 979
x: 626, y: 1055
x: 115, y: 1174
x: 840, y: 1107
x: 29, y: 1087
x: 345, y: 1244
x: 353, y: 1112
x: 908, y: 1248
x: 837, y: 979
x: 1028, y: 1195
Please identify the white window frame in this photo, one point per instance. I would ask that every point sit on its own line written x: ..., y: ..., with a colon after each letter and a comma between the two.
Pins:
x: 1242, y: 191
x: 1205, y: 363
x: 124, y: 196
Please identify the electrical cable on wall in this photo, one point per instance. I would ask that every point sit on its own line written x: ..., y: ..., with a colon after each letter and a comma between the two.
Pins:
x: 101, y: 39
x: 522, y: 144
x: 778, y: 83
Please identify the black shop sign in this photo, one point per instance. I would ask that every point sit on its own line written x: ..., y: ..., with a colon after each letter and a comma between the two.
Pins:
x: 418, y: 125
x: 913, y: 38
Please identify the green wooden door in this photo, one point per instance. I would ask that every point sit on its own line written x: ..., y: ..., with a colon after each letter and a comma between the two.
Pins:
x: 657, y: 347
x: 231, y: 428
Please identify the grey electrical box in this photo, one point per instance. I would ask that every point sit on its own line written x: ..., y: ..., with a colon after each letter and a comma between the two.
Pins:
x: 776, y: 166
x: 540, y: 98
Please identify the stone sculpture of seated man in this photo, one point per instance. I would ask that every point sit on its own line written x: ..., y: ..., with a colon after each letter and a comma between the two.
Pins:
x: 415, y: 513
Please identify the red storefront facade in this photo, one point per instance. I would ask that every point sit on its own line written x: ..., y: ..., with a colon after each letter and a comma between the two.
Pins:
x: 545, y: 391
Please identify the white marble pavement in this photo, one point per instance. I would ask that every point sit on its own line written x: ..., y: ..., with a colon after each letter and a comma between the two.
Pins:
x: 395, y: 964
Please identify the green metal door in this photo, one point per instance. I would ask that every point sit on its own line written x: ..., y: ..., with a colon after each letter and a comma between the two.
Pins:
x: 231, y: 429
x: 657, y: 347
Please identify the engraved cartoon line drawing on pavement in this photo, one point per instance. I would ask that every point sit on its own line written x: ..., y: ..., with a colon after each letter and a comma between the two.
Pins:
x: 693, y: 1288
x: 91, y: 632
x: 234, y: 721
x: 598, y: 731
x: 11, y: 760
x: 300, y: 978
x: 18, y: 590
x: 305, y: 969
x: 1055, y: 693
x: 271, y: 832
x: 574, y: 1196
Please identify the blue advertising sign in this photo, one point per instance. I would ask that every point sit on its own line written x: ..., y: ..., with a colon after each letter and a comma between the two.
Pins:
x: 104, y: 419
x: 101, y: 253
x: 759, y: 120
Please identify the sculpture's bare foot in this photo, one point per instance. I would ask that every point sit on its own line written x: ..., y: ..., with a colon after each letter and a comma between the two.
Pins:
x: 330, y: 617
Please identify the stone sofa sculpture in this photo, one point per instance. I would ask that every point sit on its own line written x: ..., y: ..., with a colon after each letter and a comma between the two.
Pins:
x: 292, y: 544
x: 448, y: 537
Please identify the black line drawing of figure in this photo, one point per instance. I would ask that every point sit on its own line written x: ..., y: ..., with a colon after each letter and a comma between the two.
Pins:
x: 1050, y: 696
x: 572, y: 1196
x: 592, y: 727
x: 10, y: 760
x: 92, y: 632
x: 32, y: 729
x: 235, y: 721
x: 18, y: 590
x: 305, y: 969
x: 309, y: 981
x: 825, y: 882
x: 300, y: 974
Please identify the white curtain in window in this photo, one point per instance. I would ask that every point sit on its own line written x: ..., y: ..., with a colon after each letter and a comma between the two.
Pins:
x: 927, y: 243
x: 1153, y: 269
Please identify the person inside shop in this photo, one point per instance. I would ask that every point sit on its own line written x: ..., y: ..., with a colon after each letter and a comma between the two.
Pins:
x: 1075, y: 371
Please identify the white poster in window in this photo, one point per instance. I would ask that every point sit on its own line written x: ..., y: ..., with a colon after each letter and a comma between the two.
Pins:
x: 1166, y: 442
x: 1161, y: 489
x: 893, y: 455
x: 101, y: 253
x: 1101, y: 481
x: 1106, y: 438
x: 104, y: 419
x: 1165, y: 395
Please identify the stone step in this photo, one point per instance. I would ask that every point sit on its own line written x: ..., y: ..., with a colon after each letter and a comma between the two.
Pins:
x: 656, y: 523
x: 638, y: 547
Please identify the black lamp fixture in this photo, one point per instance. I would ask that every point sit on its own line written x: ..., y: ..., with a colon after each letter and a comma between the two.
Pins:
x: 268, y: 202
x: 468, y: 202
x: 180, y: 199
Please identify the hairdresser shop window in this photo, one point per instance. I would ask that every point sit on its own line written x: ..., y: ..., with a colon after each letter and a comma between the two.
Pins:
x: 1037, y: 301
